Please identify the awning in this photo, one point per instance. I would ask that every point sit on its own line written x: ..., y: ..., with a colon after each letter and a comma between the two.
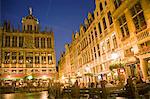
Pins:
x: 104, y: 72
x: 12, y: 76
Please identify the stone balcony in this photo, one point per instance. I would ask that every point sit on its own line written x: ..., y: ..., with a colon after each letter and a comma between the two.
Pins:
x: 144, y: 50
x: 128, y: 54
x: 145, y: 34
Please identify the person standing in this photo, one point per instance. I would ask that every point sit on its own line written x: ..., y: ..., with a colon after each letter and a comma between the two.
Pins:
x: 104, y: 93
x: 130, y: 89
x: 75, y: 91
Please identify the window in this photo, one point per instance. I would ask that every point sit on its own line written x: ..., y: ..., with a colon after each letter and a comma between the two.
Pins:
x: 21, y: 58
x: 37, y: 59
x: 117, y: 3
x: 7, y: 57
x: 101, y: 6
x: 103, y: 48
x: 108, y: 45
x: 104, y: 23
x: 21, y: 40
x: 37, y: 42
x: 92, y: 35
x: 7, y: 43
x: 95, y: 52
x: 138, y: 17
x: 100, y: 29
x: 29, y: 57
x: 49, y: 43
x: 98, y: 49
x: 109, y: 18
x: 34, y: 28
x: 14, y: 57
x: 14, y: 41
x: 20, y: 71
x: 30, y: 27
x: 114, y: 41
x: 92, y: 54
x: 43, y: 58
x: 95, y: 32
x: 105, y: 3
x: 123, y: 26
x: 89, y: 38
x: 43, y: 70
x: 42, y: 42
x: 49, y: 58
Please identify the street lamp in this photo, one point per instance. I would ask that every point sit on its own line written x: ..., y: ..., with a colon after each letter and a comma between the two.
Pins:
x: 78, y: 76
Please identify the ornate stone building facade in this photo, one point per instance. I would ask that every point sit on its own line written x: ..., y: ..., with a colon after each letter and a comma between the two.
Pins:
x: 112, y: 44
x: 28, y: 51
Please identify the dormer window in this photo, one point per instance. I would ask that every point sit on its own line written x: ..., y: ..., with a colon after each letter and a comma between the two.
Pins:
x: 30, y: 23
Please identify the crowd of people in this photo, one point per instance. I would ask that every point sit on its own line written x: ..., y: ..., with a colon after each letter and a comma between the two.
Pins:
x: 130, y: 88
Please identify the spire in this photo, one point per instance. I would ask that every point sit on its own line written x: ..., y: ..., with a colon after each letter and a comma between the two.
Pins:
x: 30, y: 11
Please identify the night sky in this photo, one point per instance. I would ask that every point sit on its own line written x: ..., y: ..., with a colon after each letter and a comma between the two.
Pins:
x: 63, y: 16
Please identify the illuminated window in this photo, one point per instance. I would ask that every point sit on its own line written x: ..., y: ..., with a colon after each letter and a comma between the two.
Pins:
x: 7, y: 57
x: 49, y: 58
x: 123, y: 26
x: 14, y: 57
x: 21, y: 58
x: 114, y: 41
x: 37, y: 59
x: 43, y: 58
x: 103, y: 48
x: 138, y: 17
x: 108, y: 45
x: 29, y: 57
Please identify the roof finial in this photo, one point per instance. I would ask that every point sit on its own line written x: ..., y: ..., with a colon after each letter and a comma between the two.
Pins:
x: 30, y: 11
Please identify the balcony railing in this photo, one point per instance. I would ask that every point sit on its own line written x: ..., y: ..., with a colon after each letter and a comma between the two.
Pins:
x: 128, y: 54
x: 143, y: 34
x: 144, y: 50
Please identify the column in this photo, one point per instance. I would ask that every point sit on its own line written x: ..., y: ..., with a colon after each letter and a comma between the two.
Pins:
x: 146, y: 7
x: 144, y: 68
x: 46, y: 42
x: 33, y: 59
x: 39, y: 42
x: 127, y: 72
